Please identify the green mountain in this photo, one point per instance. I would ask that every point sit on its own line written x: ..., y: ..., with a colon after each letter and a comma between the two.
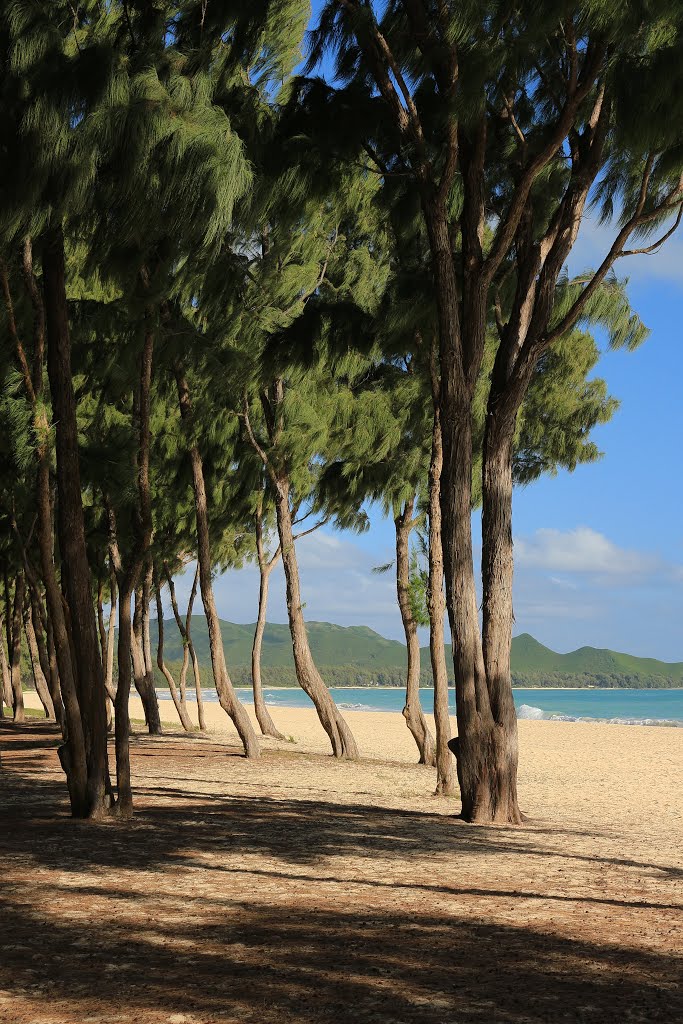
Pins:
x: 358, y: 656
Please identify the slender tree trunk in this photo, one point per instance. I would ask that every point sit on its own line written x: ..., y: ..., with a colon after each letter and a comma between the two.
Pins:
x: 39, y: 677
x: 128, y: 577
x: 155, y: 721
x: 412, y: 712
x: 48, y: 664
x: 15, y: 650
x: 72, y: 753
x: 189, y: 653
x: 178, y: 702
x: 88, y: 673
x: 266, y: 723
x: 55, y: 685
x: 5, y: 677
x: 224, y: 688
x: 124, y: 800
x: 103, y: 650
x: 446, y: 784
x: 111, y: 638
x: 150, y: 704
x: 310, y: 680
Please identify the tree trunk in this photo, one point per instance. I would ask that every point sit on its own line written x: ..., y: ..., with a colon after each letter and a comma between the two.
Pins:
x: 484, y: 750
x: 48, y: 663
x: 5, y: 676
x: 15, y: 650
x: 72, y: 753
x: 446, y: 784
x: 39, y: 678
x: 155, y: 721
x: 54, y: 683
x: 124, y: 799
x: 310, y: 680
x: 147, y: 693
x: 497, y: 614
x: 266, y: 723
x: 103, y: 650
x: 88, y: 673
x: 189, y: 653
x: 111, y: 638
x: 224, y: 688
x: 178, y: 702
x: 412, y: 711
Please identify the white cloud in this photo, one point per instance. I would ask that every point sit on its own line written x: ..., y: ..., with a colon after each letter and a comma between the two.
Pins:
x: 594, y: 241
x: 582, y: 550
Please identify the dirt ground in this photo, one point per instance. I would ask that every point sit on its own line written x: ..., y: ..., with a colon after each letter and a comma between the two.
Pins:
x: 297, y: 889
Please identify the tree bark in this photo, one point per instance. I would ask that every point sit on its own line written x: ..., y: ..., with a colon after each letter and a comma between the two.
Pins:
x: 103, y: 650
x: 497, y: 615
x: 412, y: 711
x: 486, y: 771
x: 189, y: 653
x: 39, y: 677
x: 111, y: 638
x: 155, y: 722
x: 310, y: 680
x: 266, y: 723
x: 446, y: 784
x: 88, y: 673
x: 224, y: 688
x: 147, y: 693
x: 124, y: 798
x: 5, y: 676
x: 178, y: 701
x: 48, y: 662
x: 18, y: 713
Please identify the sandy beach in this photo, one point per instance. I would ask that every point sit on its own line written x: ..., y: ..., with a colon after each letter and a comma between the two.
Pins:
x: 296, y: 889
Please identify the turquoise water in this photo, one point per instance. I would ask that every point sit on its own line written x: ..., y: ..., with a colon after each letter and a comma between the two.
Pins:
x: 637, y: 707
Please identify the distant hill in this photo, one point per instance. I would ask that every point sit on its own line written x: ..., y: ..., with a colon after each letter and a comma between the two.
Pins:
x: 357, y: 656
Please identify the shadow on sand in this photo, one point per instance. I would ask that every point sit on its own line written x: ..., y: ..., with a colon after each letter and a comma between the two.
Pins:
x: 315, y: 953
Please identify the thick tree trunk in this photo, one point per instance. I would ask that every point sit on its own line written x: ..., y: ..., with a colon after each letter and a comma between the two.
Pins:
x: 310, y: 680
x: 39, y: 677
x: 446, y: 784
x: 497, y: 615
x: 88, y: 673
x: 178, y: 701
x: 486, y: 769
x: 15, y: 650
x: 266, y: 723
x: 189, y: 653
x: 224, y: 688
x: 412, y: 711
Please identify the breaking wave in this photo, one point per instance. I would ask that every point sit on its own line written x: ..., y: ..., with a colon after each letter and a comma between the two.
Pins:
x: 527, y: 712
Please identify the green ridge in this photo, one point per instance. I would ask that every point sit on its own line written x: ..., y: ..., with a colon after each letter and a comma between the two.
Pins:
x: 357, y: 655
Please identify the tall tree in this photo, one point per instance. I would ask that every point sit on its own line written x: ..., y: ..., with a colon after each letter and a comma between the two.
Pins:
x: 503, y: 119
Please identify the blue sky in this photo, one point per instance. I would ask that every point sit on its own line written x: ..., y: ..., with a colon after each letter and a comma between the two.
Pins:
x: 599, y: 553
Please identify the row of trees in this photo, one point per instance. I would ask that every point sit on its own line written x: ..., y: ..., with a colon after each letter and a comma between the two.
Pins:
x: 240, y: 303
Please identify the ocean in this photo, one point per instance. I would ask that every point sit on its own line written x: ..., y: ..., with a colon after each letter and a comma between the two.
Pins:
x: 624, y: 707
